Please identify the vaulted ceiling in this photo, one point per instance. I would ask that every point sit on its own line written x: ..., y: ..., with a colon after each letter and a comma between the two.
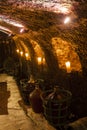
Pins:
x: 43, y: 34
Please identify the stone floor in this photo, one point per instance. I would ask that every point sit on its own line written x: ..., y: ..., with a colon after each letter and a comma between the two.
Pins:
x: 16, y: 118
x: 19, y: 116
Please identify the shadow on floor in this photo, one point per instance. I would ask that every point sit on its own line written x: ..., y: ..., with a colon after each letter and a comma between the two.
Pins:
x: 4, y: 95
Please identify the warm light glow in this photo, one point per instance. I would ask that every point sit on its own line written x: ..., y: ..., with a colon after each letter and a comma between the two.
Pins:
x: 44, y: 61
x: 15, y: 24
x: 22, y: 30
x: 39, y: 60
x: 27, y: 56
x: 21, y: 53
x: 64, y: 10
x: 9, y: 34
x: 5, y: 29
x: 17, y: 50
x: 10, y: 21
x: 67, y: 20
x: 68, y: 66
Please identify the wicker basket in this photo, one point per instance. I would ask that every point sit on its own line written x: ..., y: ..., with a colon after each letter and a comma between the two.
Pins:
x: 56, y: 111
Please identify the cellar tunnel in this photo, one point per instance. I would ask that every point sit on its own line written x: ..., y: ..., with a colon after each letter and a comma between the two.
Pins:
x: 41, y: 46
x: 37, y: 57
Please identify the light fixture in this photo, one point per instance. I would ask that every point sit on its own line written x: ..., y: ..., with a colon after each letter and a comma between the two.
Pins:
x: 68, y: 66
x: 39, y: 59
x: 21, y: 30
x: 17, y: 50
x: 67, y: 20
x: 21, y: 53
x: 27, y: 56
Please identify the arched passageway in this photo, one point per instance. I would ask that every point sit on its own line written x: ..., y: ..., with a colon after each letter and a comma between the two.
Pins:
x: 44, y: 49
x: 40, y: 58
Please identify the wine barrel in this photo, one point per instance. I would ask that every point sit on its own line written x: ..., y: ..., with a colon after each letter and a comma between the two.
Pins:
x: 80, y: 124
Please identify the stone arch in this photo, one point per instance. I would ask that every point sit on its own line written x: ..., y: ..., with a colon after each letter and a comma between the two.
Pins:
x: 65, y: 51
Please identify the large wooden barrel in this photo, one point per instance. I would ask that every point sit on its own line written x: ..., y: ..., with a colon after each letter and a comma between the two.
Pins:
x: 80, y: 124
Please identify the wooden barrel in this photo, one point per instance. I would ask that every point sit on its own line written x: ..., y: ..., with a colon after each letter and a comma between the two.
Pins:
x: 80, y: 124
